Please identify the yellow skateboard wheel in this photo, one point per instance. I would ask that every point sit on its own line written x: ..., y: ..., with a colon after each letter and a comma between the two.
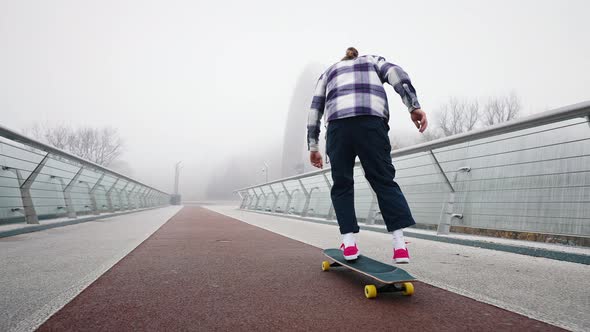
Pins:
x: 370, y: 291
x: 325, y: 266
x: 408, y: 289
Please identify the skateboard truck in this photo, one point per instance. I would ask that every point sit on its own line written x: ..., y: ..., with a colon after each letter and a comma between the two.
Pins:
x: 335, y: 264
x: 391, y: 288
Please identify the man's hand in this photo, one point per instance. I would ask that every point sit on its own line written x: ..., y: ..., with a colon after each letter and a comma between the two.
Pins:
x: 419, y: 118
x: 316, y: 159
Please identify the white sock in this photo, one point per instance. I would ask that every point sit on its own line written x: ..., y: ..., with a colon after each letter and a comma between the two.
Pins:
x: 348, y: 239
x: 398, y: 239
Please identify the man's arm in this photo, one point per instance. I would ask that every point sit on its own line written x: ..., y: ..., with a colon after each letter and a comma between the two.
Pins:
x: 399, y: 79
x: 315, y: 114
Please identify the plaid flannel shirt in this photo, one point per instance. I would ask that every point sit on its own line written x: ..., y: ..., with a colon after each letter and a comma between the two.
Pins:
x: 355, y: 87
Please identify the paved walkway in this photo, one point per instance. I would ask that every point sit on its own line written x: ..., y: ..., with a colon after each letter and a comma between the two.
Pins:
x: 545, y: 289
x: 40, y: 272
x: 206, y: 271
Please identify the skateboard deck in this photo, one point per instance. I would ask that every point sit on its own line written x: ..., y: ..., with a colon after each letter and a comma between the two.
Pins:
x: 394, y: 278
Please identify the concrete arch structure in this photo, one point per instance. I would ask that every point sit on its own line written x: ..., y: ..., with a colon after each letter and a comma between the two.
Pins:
x: 294, y: 160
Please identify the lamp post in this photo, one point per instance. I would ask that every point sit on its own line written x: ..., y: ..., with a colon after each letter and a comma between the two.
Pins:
x: 176, y: 195
x: 176, y: 176
x: 265, y: 170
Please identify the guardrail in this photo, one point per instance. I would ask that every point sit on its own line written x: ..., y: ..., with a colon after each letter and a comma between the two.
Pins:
x: 38, y: 181
x: 529, y: 175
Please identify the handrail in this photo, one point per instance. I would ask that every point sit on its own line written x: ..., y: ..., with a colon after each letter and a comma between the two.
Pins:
x: 14, y: 136
x: 563, y: 113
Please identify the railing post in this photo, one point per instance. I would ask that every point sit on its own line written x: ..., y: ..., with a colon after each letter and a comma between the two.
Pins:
x: 19, y: 178
x: 288, y: 205
x: 146, y: 197
x: 278, y: 197
x: 132, y: 200
x: 117, y: 207
x: 63, y: 186
x: 330, y: 215
x: 156, y: 199
x: 444, y: 222
x: 140, y: 197
x: 95, y: 209
x: 243, y: 197
x: 143, y: 197
x: 291, y: 199
x: 25, y: 191
x: 149, y: 197
x: 257, y: 198
x: 92, y: 210
x: 306, y: 194
x: 148, y: 193
x: 120, y: 194
x: 246, y: 201
x: 252, y: 199
x: 308, y: 201
x: 136, y: 193
x: 106, y: 200
x: 67, y: 191
x: 307, y: 198
x: 447, y: 214
x: 109, y: 196
x: 274, y: 204
x: 136, y: 196
x: 265, y: 195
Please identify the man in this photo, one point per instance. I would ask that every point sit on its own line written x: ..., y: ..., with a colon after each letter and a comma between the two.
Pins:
x: 352, y: 93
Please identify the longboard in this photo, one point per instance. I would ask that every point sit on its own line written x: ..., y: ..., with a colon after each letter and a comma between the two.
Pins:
x: 393, y: 278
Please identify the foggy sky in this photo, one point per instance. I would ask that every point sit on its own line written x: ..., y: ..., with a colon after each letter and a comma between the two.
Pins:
x: 205, y: 81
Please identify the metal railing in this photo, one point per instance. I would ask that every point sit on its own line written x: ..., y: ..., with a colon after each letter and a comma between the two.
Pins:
x: 38, y: 181
x: 527, y: 175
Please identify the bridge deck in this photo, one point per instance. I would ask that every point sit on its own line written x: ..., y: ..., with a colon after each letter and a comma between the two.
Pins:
x: 206, y: 271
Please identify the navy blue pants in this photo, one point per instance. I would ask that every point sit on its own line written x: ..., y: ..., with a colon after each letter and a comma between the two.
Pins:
x: 365, y: 137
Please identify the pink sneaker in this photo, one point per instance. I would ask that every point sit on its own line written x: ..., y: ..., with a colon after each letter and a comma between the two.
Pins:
x: 401, y: 256
x: 350, y: 253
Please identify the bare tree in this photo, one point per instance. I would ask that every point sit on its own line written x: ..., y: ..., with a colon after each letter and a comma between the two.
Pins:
x: 99, y: 145
x: 501, y: 109
x: 472, y: 115
x: 458, y: 116
x: 57, y: 136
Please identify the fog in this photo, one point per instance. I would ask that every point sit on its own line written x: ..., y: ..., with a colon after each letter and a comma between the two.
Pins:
x: 223, y: 86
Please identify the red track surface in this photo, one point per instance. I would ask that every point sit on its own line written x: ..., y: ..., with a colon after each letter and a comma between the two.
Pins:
x: 204, y: 271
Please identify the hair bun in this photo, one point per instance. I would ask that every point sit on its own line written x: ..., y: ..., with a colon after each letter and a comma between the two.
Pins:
x: 351, y: 53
